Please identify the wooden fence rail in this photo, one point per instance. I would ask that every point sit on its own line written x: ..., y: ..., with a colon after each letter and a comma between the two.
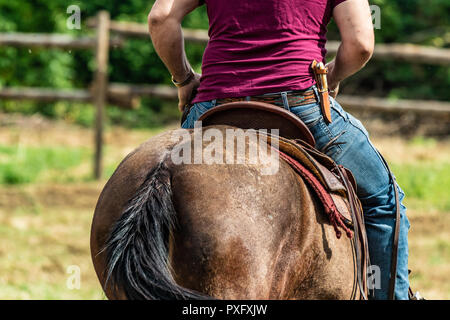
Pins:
x: 128, y: 96
x: 431, y: 108
x: 101, y: 92
x: 46, y: 94
x: 59, y: 41
x: 437, y: 109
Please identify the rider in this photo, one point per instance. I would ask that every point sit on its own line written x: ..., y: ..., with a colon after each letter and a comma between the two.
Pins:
x: 266, y: 48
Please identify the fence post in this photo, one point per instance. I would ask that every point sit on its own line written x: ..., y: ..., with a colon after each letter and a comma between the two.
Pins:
x: 100, y: 86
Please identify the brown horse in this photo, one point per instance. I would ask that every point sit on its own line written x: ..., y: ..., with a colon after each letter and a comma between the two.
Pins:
x: 225, y: 231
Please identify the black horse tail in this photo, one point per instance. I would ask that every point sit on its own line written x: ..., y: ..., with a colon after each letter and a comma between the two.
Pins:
x: 137, y: 248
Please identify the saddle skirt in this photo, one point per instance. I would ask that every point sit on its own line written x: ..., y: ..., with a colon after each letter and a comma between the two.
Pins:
x: 334, y: 185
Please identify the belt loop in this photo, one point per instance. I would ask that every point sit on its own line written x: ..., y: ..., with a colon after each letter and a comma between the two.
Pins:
x: 316, y: 93
x: 285, y: 100
x: 213, y: 103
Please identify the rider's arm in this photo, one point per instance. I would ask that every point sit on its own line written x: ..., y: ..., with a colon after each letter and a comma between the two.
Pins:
x: 164, y: 23
x: 353, y: 18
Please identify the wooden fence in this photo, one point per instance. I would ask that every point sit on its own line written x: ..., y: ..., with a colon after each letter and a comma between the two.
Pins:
x: 102, y: 93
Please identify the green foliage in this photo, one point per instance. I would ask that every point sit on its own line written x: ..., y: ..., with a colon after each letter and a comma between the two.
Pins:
x: 417, y: 21
x: 426, y: 184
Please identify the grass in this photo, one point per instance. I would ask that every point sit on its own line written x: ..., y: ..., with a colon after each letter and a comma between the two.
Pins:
x: 25, y: 164
x: 38, y: 249
x: 61, y: 154
x: 427, y: 185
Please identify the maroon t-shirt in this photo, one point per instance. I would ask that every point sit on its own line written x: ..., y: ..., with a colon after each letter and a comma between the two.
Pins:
x: 262, y: 46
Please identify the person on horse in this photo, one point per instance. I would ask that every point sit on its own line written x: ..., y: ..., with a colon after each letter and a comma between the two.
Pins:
x: 265, y: 49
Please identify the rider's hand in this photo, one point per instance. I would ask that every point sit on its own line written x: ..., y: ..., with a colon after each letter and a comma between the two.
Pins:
x: 185, y: 93
x: 333, y: 84
x: 334, y: 90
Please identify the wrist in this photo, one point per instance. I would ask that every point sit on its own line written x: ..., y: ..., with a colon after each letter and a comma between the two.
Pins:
x: 181, y: 82
x: 333, y: 84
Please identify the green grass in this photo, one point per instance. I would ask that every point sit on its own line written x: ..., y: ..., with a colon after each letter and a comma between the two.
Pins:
x: 151, y: 113
x: 426, y: 185
x: 25, y: 164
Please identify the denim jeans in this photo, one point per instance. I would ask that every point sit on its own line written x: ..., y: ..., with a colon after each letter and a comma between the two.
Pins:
x: 375, y: 188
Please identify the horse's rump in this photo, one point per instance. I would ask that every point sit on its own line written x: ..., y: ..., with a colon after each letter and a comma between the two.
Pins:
x: 239, y: 234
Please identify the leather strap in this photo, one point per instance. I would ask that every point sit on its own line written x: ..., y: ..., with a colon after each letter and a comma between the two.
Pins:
x: 394, y: 258
x: 294, y: 99
x: 360, y: 239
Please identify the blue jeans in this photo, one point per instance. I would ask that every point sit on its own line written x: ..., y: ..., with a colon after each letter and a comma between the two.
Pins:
x: 375, y: 188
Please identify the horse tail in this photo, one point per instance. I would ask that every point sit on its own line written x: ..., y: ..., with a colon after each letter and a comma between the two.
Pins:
x: 137, y: 249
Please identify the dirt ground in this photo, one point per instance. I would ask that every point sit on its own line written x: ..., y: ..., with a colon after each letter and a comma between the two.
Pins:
x: 45, y: 226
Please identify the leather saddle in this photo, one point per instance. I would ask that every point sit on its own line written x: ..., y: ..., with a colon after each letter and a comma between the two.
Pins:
x: 333, y: 184
x: 259, y: 115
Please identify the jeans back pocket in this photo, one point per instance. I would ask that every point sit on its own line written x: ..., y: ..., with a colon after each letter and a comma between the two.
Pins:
x: 310, y: 114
